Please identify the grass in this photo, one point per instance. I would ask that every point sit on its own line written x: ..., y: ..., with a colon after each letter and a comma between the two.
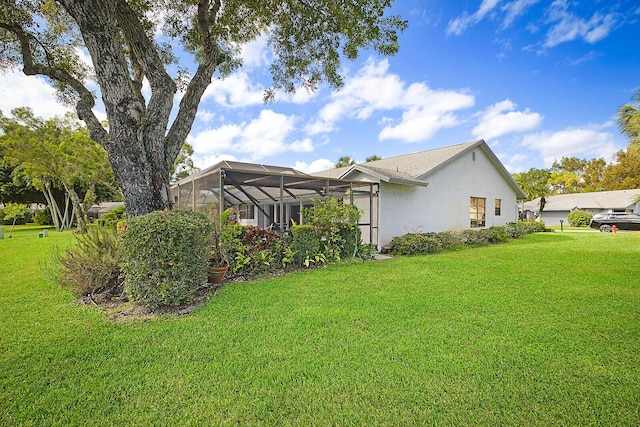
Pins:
x: 543, y: 330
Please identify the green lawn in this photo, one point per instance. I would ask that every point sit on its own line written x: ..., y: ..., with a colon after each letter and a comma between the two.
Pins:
x: 540, y: 331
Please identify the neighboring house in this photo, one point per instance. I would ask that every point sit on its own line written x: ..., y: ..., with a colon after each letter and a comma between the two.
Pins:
x: 97, y: 211
x: 452, y: 188
x: 558, y: 206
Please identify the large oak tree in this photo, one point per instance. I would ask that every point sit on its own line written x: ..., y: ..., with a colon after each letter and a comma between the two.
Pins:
x: 308, y: 39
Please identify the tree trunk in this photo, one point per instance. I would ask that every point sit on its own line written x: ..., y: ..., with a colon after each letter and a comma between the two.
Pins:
x: 53, y: 206
x: 77, y: 208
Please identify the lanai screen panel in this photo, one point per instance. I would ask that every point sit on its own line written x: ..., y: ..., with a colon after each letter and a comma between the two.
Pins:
x: 207, y: 193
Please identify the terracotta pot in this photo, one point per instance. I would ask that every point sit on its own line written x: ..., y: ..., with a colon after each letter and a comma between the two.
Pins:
x: 215, y: 275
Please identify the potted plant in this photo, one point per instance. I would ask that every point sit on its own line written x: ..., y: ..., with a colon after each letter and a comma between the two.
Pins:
x: 218, y: 263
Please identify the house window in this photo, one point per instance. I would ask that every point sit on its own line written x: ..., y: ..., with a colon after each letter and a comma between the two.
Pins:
x: 498, y: 203
x: 477, y: 211
x: 247, y: 211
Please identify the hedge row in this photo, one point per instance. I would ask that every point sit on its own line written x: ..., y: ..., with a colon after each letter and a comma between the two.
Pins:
x: 427, y: 243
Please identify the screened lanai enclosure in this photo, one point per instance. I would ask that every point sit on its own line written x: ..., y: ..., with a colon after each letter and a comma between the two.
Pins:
x: 270, y: 196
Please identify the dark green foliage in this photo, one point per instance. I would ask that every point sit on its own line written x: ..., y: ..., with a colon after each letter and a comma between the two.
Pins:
x: 522, y: 228
x: 165, y: 256
x: 343, y: 241
x: 448, y: 239
x: 256, y: 250
x: 472, y: 238
x: 93, y: 265
x: 425, y: 243
x: 114, y: 216
x: 337, y: 223
x: 305, y: 244
x: 414, y: 244
x: 494, y: 234
x: 43, y: 217
x: 579, y: 218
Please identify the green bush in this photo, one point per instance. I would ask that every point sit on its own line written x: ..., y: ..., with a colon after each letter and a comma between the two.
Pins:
x: 337, y: 223
x: 579, y: 218
x: 519, y: 229
x: 93, y: 265
x: 305, y: 244
x: 112, y: 217
x: 43, y: 217
x: 473, y: 238
x: 495, y: 234
x: 165, y: 256
x: 449, y: 240
x: 343, y: 240
x: 414, y: 244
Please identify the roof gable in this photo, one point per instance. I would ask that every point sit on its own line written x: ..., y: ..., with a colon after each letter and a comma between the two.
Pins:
x: 415, y: 168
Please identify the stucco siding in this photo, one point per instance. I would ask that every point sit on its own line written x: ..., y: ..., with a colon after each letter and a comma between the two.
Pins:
x: 444, y: 203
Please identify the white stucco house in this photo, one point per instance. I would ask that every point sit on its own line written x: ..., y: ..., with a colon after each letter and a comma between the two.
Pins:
x: 451, y: 188
x: 558, y: 206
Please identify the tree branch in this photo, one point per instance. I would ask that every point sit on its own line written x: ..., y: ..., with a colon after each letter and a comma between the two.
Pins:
x: 86, y: 101
x: 213, y: 56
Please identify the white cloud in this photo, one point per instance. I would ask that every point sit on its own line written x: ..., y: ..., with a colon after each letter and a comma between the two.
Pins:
x: 373, y: 89
x: 315, y: 166
x: 262, y: 137
x: 501, y: 119
x: 256, y: 53
x: 235, y: 91
x: 205, y: 115
x: 239, y: 90
x: 584, y: 142
x: 302, y: 146
x: 215, y: 140
x: 460, y: 24
x: 515, y: 9
x: 19, y: 90
x: 568, y: 26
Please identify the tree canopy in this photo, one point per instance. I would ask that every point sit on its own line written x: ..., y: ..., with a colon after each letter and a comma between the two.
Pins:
x: 57, y: 153
x: 130, y: 41
x: 345, y: 161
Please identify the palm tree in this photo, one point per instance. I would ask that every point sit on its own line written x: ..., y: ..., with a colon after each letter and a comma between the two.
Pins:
x: 372, y: 158
x: 345, y: 161
x: 629, y: 121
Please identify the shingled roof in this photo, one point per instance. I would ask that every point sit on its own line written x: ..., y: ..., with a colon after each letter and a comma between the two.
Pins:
x: 415, y: 168
x: 602, y: 200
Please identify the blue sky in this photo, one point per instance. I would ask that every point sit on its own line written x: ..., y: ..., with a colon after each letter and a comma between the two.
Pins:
x: 538, y: 80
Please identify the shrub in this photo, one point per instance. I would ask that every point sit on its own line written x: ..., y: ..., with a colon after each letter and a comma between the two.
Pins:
x: 165, y: 256
x: 93, y: 265
x: 343, y: 240
x: 495, y: 234
x: 473, y: 237
x: 414, y: 244
x: 255, y: 250
x: 305, y: 244
x: 337, y: 223
x: 519, y: 229
x: 579, y: 218
x: 43, y: 217
x: 449, y: 240
x: 114, y: 216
